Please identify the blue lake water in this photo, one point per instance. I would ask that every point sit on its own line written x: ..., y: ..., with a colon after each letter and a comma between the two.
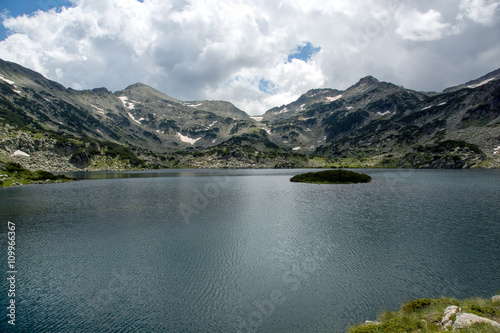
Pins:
x: 245, y: 250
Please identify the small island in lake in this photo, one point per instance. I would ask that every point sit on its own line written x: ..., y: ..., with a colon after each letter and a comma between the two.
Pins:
x: 332, y: 177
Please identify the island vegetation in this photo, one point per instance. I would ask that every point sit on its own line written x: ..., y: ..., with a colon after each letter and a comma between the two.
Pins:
x: 13, y: 174
x: 476, y: 315
x: 332, y: 177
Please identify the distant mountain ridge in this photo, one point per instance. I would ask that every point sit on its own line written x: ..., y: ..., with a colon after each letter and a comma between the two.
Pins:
x: 371, y: 123
x: 138, y: 115
x: 492, y: 76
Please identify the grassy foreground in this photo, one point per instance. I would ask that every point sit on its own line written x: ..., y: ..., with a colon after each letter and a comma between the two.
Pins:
x: 13, y: 174
x: 425, y: 315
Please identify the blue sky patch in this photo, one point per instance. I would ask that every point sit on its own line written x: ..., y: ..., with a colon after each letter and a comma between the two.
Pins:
x: 304, y: 52
x: 14, y: 8
x: 267, y: 87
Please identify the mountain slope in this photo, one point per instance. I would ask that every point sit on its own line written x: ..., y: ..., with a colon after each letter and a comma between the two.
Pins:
x: 495, y: 75
x: 138, y: 115
x: 371, y: 123
x: 373, y: 119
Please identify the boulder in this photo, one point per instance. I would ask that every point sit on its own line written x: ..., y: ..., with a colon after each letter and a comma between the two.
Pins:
x: 466, y: 319
x: 63, y: 148
x: 447, y: 320
x: 93, y: 146
x: 496, y: 298
x: 80, y: 160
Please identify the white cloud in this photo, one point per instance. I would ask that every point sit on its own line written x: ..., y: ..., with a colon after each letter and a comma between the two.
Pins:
x: 291, y: 79
x: 418, y: 26
x: 480, y: 11
x: 223, y: 49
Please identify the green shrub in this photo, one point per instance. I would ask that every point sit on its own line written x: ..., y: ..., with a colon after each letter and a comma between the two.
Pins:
x: 42, y: 175
x: 14, y: 167
x: 92, y: 150
x: 402, y: 324
x: 484, y: 308
x: 114, y: 150
x: 332, y: 177
x: 368, y: 328
x: 394, y: 325
x: 416, y: 305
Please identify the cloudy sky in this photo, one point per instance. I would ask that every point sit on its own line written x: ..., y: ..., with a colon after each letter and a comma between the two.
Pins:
x: 254, y: 53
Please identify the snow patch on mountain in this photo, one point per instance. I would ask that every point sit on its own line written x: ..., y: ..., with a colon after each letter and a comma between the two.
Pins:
x: 211, y: 125
x: 193, y: 105
x: 12, y: 83
x: 187, y: 139
x: 20, y: 153
x: 384, y: 113
x: 482, y: 83
x: 136, y: 120
x: 333, y: 99
x: 98, y: 109
x: 128, y: 103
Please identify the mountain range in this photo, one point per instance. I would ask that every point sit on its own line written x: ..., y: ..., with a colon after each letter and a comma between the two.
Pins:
x: 44, y: 125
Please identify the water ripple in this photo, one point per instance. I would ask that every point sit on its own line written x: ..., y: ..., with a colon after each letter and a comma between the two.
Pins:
x: 114, y: 255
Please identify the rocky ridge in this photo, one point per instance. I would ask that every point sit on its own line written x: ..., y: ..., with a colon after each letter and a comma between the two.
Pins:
x: 370, y: 124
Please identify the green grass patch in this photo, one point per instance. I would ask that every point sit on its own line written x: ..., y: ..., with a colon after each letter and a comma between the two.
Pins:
x: 424, y: 315
x: 15, y: 174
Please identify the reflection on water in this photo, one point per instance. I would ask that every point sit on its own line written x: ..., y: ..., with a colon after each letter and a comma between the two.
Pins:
x: 179, y: 173
x: 229, y: 250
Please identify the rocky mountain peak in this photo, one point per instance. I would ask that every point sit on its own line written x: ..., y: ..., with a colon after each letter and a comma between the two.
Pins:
x: 138, y: 86
x: 141, y: 91
x: 367, y: 80
x: 316, y: 92
x: 101, y: 91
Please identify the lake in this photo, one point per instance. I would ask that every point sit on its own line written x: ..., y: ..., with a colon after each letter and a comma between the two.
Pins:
x: 245, y: 250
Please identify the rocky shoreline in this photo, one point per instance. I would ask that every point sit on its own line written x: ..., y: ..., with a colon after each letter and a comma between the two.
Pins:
x: 37, y: 151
